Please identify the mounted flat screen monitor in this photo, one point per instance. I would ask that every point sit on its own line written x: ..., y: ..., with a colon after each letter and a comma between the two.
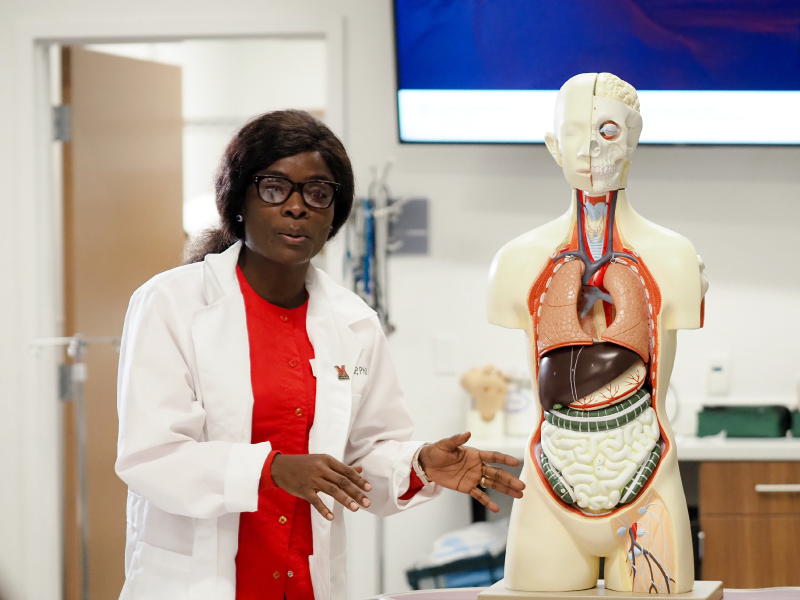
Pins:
x: 707, y: 71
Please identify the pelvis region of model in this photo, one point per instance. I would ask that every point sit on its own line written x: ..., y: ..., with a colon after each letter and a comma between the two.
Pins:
x: 594, y: 309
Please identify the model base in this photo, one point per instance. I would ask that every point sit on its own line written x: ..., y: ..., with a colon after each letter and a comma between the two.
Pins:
x: 703, y: 590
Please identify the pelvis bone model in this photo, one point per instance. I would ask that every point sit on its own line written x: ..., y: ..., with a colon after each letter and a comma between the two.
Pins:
x: 601, y: 293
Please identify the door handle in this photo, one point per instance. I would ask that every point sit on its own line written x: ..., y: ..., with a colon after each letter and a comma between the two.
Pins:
x: 778, y: 488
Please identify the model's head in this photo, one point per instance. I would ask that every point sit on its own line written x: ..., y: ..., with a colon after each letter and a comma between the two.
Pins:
x: 597, y: 127
x: 294, y: 146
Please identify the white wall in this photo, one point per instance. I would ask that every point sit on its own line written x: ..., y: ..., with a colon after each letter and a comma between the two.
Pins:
x: 740, y: 206
x: 225, y: 82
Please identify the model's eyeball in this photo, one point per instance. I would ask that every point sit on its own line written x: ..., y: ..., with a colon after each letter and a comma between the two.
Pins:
x: 609, y: 130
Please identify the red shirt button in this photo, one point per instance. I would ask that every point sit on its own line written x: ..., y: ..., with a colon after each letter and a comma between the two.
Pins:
x: 299, y: 412
x: 284, y: 318
x: 293, y: 363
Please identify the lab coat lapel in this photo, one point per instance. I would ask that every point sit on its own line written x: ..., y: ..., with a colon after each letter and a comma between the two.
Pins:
x: 336, y: 350
x: 222, y: 351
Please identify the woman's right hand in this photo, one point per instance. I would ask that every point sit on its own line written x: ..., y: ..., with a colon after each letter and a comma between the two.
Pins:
x: 305, y: 475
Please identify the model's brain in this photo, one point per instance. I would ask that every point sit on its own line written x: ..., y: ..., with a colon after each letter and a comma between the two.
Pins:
x: 611, y: 86
x: 598, y: 465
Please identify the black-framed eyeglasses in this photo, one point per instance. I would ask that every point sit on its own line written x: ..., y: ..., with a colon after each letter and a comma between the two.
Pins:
x: 274, y: 189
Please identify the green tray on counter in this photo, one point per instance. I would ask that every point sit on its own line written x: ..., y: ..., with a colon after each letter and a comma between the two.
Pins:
x: 795, y: 424
x: 747, y: 421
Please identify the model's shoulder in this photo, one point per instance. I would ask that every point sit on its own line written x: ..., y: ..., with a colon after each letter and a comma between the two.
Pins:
x: 516, y: 266
x: 544, y: 238
x: 673, y: 250
x: 523, y: 256
x: 666, y: 236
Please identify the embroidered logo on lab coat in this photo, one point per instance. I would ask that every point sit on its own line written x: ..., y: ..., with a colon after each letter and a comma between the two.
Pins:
x: 341, y: 372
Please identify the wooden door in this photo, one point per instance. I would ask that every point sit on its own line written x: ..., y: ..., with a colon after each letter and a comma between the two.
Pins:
x: 123, y: 224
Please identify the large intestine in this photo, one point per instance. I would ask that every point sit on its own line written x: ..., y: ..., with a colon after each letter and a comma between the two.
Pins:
x: 598, y: 465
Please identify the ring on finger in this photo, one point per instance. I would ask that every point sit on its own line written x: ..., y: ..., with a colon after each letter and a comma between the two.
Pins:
x: 483, y: 481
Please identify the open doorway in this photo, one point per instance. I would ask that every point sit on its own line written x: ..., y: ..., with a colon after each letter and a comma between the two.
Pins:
x: 224, y: 83
x: 149, y: 122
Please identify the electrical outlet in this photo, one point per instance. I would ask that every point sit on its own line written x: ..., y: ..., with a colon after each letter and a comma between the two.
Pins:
x: 718, y: 376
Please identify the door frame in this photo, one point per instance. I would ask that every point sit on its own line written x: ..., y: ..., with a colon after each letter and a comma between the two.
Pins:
x: 36, y: 269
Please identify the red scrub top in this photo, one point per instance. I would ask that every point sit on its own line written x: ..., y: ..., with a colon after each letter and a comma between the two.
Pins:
x: 275, y: 541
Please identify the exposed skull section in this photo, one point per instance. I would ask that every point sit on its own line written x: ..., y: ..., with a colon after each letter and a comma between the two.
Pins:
x: 611, y: 86
x: 615, y: 133
x: 598, y: 465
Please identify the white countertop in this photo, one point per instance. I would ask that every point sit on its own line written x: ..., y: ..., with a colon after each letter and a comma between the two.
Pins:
x: 720, y: 448
x: 690, y: 448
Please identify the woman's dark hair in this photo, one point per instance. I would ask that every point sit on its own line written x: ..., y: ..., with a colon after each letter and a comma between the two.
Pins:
x: 260, y: 142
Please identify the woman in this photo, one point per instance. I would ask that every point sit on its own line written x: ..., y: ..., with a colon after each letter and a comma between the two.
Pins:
x: 250, y: 382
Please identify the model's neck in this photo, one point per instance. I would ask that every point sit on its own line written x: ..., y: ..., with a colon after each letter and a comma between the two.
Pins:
x: 595, y: 216
x: 588, y: 198
x: 581, y: 198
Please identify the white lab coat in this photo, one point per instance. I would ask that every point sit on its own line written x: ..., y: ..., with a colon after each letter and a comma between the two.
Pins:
x: 185, y: 406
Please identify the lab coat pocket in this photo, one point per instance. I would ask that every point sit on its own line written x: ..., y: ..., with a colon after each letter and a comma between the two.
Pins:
x: 134, y: 512
x: 319, y: 568
x: 158, y: 573
x: 339, y: 577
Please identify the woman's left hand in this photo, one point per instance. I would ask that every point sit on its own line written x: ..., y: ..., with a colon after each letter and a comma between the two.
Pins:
x: 457, y: 467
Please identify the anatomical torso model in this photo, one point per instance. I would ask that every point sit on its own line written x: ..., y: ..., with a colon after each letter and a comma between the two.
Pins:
x: 601, y: 293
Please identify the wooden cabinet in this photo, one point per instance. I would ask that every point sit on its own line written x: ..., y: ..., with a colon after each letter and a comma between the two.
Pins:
x: 752, y: 539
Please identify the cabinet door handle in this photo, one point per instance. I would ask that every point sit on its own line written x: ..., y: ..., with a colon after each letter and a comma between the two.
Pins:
x: 778, y: 488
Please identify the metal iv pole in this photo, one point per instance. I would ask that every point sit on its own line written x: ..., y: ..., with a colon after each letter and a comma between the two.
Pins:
x: 72, y: 378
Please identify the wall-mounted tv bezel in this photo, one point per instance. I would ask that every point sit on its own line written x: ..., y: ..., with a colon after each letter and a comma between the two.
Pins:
x: 522, y: 117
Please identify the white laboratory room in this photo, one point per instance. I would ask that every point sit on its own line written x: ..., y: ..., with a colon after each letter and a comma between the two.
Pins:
x: 400, y: 300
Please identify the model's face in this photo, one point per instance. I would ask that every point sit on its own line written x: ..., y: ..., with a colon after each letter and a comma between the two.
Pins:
x: 290, y: 233
x: 594, y: 137
x: 573, y: 132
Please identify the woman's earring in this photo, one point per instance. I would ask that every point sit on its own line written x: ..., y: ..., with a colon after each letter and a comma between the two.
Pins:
x: 331, y: 229
x: 239, y: 218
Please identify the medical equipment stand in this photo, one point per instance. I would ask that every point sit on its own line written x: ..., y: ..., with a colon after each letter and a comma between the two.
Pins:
x: 72, y: 381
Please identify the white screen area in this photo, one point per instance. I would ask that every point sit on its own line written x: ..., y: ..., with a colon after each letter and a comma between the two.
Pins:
x: 670, y: 117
